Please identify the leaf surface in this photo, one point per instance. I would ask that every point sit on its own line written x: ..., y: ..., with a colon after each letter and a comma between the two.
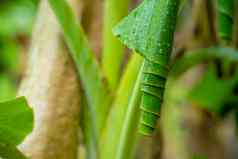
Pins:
x: 16, y: 121
x: 149, y: 29
x: 212, y: 93
x: 10, y: 152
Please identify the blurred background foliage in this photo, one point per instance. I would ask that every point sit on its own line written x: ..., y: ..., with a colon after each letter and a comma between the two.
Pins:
x: 16, y: 19
x: 194, y: 31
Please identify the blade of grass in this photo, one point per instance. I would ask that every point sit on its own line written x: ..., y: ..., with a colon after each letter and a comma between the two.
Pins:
x: 111, y: 135
x: 113, y: 50
x: 97, y: 94
x: 129, y: 130
x: 88, y: 130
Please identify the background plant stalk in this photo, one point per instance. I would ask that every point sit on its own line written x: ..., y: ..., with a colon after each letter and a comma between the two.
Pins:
x: 51, y: 87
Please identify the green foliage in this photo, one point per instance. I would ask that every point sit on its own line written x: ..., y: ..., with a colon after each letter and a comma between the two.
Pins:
x: 16, y: 16
x: 16, y: 121
x: 88, y: 129
x: 225, y: 9
x: 16, y: 117
x: 112, y: 133
x: 7, y: 87
x: 212, y: 92
x: 128, y: 135
x: 149, y: 31
x: 199, y: 56
x: 10, y: 152
x: 9, y: 57
x: 9, y: 63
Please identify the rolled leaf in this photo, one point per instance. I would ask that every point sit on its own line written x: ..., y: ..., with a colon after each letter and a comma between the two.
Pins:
x: 149, y: 30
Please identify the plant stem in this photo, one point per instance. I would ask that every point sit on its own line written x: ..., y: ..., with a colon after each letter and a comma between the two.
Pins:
x: 111, y: 135
x: 129, y: 135
x: 113, y: 50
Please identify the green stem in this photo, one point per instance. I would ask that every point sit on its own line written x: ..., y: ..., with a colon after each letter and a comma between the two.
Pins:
x: 88, y: 129
x: 113, y: 50
x: 129, y: 135
x: 111, y: 135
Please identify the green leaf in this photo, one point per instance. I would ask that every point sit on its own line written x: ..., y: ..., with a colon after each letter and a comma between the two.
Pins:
x: 16, y: 121
x: 97, y: 93
x: 129, y: 133
x: 211, y: 93
x: 88, y: 129
x: 205, y: 55
x: 10, y: 152
x: 149, y: 29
